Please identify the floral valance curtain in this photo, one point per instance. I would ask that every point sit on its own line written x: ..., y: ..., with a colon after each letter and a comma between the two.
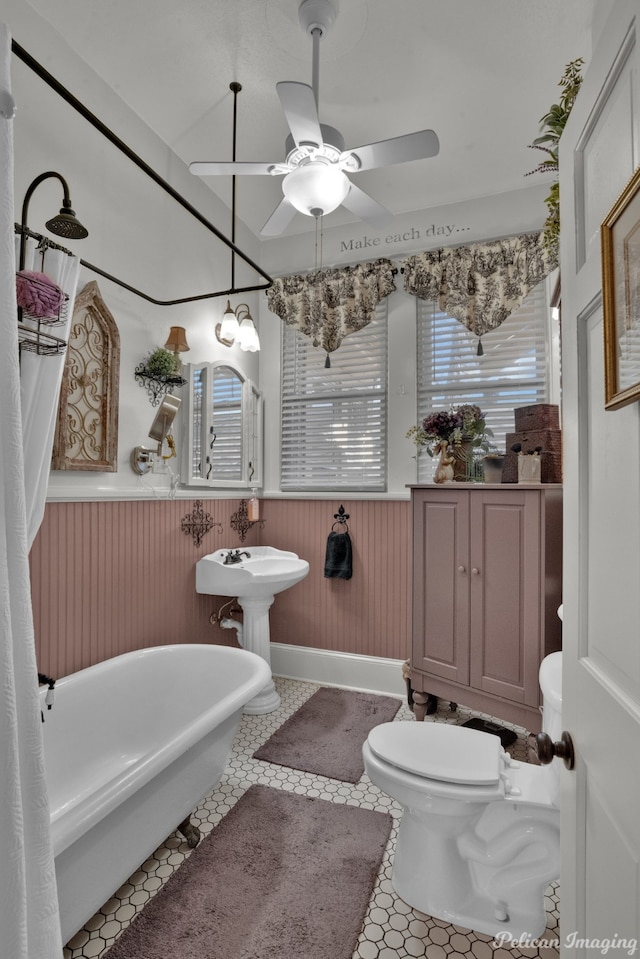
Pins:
x: 480, y: 284
x: 326, y: 305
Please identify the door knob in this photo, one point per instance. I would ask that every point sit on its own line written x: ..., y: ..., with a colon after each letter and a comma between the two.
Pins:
x: 461, y: 569
x: 564, y: 750
x: 475, y: 571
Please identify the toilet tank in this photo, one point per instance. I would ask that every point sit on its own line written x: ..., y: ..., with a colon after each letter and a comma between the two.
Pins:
x: 551, y: 687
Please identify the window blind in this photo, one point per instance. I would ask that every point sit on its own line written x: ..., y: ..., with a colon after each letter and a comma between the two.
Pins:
x: 511, y: 373
x: 334, y: 420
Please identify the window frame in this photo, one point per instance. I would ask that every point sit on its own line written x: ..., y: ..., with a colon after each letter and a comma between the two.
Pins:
x: 479, y: 391
x: 297, y: 349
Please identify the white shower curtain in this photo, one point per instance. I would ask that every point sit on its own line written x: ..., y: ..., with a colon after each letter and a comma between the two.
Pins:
x: 40, y: 379
x: 29, y: 923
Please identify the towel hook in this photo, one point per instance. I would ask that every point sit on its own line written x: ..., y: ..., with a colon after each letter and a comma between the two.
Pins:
x: 341, y: 518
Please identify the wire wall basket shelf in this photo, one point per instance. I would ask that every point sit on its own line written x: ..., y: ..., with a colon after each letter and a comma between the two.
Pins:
x: 36, y: 321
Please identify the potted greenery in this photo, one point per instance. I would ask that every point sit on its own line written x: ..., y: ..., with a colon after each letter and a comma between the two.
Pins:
x: 552, y: 125
x: 163, y: 363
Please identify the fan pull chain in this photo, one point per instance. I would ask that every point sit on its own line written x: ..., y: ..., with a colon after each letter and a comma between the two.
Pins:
x: 318, y: 265
x: 318, y: 246
x: 315, y: 260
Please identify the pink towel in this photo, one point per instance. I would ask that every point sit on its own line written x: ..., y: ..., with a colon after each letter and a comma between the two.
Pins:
x: 38, y: 295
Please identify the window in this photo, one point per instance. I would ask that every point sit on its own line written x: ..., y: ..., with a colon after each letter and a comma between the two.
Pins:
x: 511, y: 373
x: 334, y: 420
x: 223, y: 414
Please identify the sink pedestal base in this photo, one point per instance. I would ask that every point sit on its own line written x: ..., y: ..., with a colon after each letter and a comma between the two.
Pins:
x: 256, y: 638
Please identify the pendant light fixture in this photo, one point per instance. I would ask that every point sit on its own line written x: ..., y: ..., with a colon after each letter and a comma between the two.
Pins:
x: 237, y: 325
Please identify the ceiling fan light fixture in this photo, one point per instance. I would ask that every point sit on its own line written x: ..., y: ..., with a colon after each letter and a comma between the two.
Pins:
x: 315, y: 189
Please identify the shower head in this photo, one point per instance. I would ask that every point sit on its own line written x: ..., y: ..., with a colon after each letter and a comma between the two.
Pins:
x: 67, y: 224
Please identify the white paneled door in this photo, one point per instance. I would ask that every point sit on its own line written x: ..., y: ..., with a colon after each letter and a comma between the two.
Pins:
x: 600, y: 881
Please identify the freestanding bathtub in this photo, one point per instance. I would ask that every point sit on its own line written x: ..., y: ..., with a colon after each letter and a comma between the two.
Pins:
x: 132, y: 745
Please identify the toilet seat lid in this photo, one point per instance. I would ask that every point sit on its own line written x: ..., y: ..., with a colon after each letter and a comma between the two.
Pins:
x: 439, y: 751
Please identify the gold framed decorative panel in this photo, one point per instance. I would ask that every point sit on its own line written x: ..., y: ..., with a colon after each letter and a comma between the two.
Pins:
x: 620, y: 235
x: 87, y: 428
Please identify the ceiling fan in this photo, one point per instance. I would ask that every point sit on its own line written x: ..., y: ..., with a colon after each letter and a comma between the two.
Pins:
x: 316, y: 166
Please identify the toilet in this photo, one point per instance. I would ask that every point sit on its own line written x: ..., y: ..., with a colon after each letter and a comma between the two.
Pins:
x: 479, y: 838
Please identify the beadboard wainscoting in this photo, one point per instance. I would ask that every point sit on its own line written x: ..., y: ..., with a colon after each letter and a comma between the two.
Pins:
x: 112, y: 576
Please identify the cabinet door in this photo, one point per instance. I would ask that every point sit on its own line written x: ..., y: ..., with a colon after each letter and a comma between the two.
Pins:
x: 441, y: 583
x: 505, y: 584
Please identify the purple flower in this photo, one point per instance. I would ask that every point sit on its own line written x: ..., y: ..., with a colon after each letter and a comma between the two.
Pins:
x: 465, y: 422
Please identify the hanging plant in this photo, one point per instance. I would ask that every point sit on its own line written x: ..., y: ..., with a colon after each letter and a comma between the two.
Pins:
x: 552, y: 125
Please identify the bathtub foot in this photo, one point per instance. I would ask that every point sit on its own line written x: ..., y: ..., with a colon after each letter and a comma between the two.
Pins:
x: 190, y: 832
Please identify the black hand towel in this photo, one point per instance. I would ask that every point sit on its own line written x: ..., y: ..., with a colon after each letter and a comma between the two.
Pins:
x: 337, y: 563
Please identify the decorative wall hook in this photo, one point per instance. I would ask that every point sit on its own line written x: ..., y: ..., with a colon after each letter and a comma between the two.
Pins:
x: 198, y: 523
x: 341, y: 518
x: 241, y: 523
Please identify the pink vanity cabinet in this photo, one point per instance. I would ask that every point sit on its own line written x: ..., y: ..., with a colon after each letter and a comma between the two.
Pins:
x: 487, y: 578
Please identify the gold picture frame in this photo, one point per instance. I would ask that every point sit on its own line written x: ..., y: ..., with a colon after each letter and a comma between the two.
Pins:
x: 620, y: 236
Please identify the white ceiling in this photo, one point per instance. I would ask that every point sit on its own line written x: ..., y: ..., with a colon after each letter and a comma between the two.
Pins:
x: 480, y: 73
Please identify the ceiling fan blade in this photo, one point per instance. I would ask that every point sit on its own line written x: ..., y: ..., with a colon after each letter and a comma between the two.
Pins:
x: 205, y: 168
x: 279, y: 219
x: 411, y: 146
x: 301, y: 111
x: 366, y: 207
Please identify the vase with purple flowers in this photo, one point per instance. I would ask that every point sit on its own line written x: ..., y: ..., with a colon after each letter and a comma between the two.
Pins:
x: 462, y: 428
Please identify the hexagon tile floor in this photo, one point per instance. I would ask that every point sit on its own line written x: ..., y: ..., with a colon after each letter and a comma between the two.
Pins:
x: 391, y: 929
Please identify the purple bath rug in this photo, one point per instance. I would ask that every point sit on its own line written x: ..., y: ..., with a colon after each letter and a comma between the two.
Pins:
x: 325, y: 736
x: 282, y: 876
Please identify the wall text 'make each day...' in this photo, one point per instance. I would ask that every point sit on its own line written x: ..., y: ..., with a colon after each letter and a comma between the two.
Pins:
x: 365, y: 242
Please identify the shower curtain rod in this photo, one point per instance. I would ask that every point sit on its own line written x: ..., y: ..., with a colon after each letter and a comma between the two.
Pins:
x: 84, y: 111
x: 50, y: 245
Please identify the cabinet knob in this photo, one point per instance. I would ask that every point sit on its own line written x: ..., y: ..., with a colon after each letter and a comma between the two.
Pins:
x: 462, y: 569
x: 475, y: 571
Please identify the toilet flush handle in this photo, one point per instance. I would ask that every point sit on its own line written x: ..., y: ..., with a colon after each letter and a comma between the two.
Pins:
x: 564, y: 750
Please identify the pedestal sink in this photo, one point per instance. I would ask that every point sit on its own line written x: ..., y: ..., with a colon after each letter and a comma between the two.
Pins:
x: 253, y: 576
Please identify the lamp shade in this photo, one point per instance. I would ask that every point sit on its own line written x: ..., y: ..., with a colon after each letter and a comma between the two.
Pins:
x: 177, y: 340
x: 229, y: 327
x: 248, y: 336
x: 315, y: 188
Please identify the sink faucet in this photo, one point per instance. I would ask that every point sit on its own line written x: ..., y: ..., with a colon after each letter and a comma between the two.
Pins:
x: 235, y: 556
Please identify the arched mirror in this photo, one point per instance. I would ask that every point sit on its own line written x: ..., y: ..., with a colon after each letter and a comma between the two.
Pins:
x: 223, y: 436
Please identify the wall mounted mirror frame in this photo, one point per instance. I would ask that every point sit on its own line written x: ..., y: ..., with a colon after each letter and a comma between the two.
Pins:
x: 221, y: 428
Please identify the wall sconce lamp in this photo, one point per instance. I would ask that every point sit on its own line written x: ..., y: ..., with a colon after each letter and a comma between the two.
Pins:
x: 177, y: 340
x: 238, y: 327
x: 65, y: 223
x: 141, y: 458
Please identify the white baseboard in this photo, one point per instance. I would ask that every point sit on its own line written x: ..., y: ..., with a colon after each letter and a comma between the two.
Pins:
x: 371, y: 674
